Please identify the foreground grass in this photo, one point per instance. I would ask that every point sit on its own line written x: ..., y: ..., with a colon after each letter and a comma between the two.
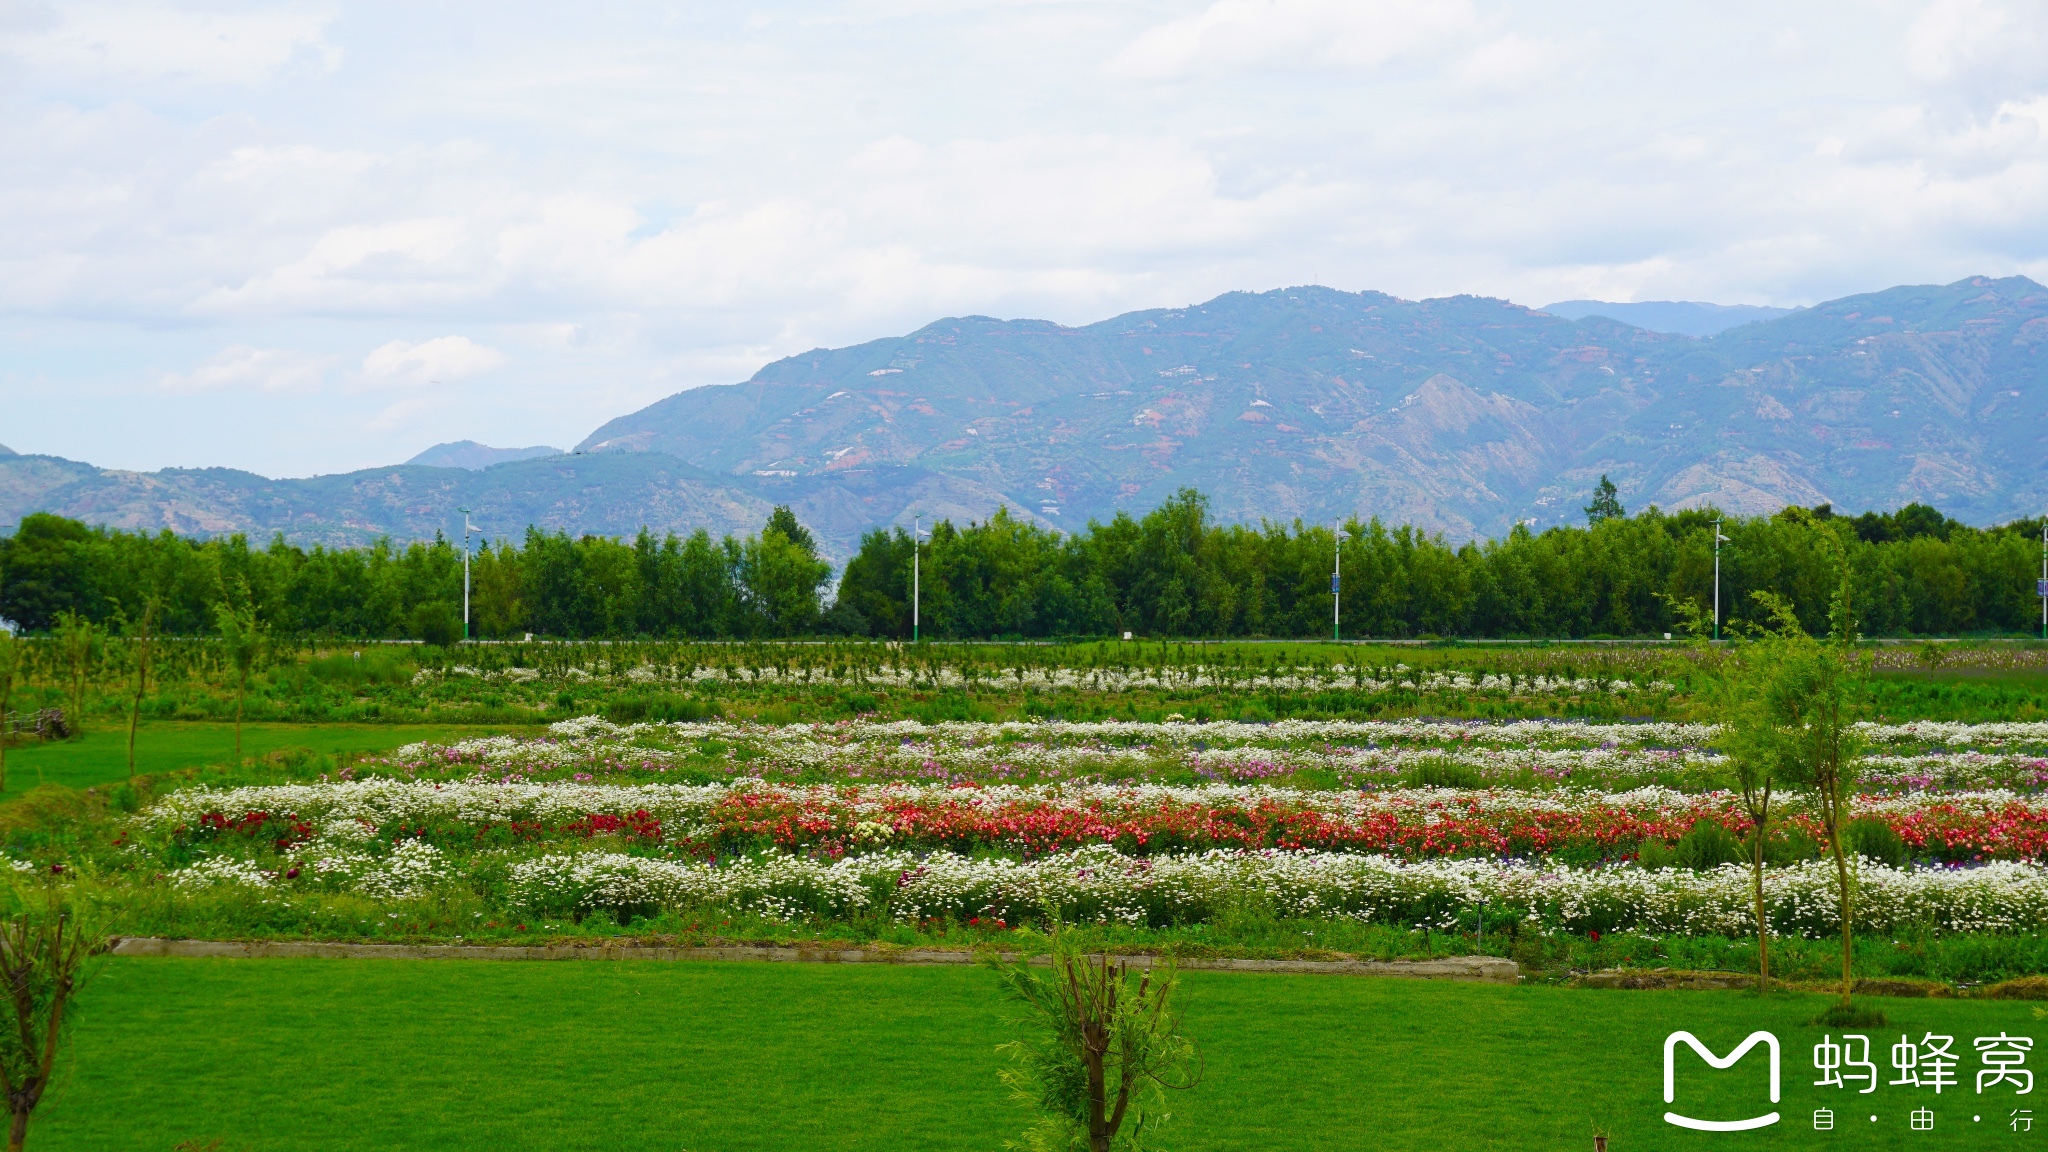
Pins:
x: 279, y: 1054
x: 100, y: 755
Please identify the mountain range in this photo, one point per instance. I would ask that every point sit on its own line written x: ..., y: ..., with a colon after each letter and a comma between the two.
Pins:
x: 1462, y: 414
x: 474, y: 456
x: 1683, y: 317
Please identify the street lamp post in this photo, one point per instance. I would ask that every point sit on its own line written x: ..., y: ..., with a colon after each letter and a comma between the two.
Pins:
x: 467, y: 528
x: 1336, y: 588
x: 916, y: 580
x: 1718, y: 541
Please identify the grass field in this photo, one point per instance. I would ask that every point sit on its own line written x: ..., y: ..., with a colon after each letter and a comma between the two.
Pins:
x: 340, y: 1054
x: 100, y: 755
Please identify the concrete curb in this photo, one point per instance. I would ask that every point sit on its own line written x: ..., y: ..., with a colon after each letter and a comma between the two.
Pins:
x: 1480, y: 969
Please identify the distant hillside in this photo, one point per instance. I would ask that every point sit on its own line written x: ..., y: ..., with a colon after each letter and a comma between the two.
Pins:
x: 472, y: 455
x: 612, y: 495
x: 1465, y: 415
x: 1679, y: 317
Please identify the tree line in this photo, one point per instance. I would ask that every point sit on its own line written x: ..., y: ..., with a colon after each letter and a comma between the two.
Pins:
x: 1173, y: 571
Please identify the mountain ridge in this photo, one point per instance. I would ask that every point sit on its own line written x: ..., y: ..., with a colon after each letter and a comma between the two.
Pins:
x: 1677, y: 317
x: 476, y: 457
x: 1288, y: 404
x: 1462, y: 414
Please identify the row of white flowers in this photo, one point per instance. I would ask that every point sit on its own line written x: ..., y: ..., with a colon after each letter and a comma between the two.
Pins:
x: 343, y: 808
x: 1386, y: 678
x: 1099, y: 885
x: 1363, y: 752
x: 1175, y: 734
x: 409, y: 869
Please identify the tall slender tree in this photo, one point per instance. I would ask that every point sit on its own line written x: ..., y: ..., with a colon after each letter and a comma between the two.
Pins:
x: 10, y: 671
x: 1803, y: 725
x: 142, y: 643
x: 82, y: 644
x: 241, y: 638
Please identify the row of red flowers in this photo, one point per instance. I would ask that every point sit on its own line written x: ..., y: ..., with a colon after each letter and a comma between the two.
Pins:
x: 1587, y: 830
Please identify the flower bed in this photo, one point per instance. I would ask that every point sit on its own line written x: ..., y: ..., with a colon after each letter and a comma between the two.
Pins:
x: 1363, y: 754
x: 1032, y: 820
x: 1100, y: 885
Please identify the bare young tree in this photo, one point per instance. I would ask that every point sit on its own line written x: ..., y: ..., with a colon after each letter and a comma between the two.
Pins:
x: 10, y: 671
x: 1107, y: 1047
x: 1798, y: 720
x: 142, y: 638
x: 82, y: 643
x: 241, y: 639
x: 43, y: 958
x: 1756, y: 748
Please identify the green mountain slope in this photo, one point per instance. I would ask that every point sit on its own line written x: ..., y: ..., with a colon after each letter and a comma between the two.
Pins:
x: 609, y: 494
x: 1463, y: 414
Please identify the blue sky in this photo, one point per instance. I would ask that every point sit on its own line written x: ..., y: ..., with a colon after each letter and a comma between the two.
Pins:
x: 309, y: 238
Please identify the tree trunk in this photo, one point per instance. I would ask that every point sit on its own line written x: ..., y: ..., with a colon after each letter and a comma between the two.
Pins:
x: 1098, y: 1118
x: 18, y: 1135
x: 1848, y: 910
x: 1763, y: 924
x: 240, y: 690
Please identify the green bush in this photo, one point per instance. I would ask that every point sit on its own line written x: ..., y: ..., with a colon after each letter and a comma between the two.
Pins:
x: 1874, y: 840
x: 436, y: 622
x: 1442, y: 774
x: 1790, y: 845
x: 1707, y: 844
x: 371, y: 664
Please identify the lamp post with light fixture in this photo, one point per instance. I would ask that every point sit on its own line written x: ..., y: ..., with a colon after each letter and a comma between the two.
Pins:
x: 1718, y: 541
x: 1336, y: 588
x: 467, y: 528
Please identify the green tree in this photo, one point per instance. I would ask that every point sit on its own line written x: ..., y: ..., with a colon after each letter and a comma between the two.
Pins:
x: 1803, y: 713
x: 43, y: 958
x: 241, y: 640
x: 1746, y: 697
x: 1606, y: 503
x: 10, y: 671
x: 1106, y: 1047
x: 780, y: 577
x: 876, y: 582
x: 436, y: 622
x: 82, y: 644
x: 142, y: 645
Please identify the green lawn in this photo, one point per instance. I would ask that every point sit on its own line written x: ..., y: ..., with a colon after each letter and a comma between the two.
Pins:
x: 100, y: 756
x: 365, y: 1054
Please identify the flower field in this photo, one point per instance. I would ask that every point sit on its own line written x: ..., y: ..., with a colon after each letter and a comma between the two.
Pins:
x: 1527, y: 825
x: 1337, y: 754
x: 1026, y: 821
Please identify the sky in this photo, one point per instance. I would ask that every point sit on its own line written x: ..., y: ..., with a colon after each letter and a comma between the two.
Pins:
x: 308, y: 238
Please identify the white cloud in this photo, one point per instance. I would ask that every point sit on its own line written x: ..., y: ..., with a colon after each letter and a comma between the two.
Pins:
x: 1981, y: 50
x: 156, y: 41
x: 240, y: 366
x: 642, y: 200
x: 1511, y: 62
x: 437, y: 361
x: 1232, y: 34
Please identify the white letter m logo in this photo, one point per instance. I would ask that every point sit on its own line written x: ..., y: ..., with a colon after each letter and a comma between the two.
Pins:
x: 1741, y: 1050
